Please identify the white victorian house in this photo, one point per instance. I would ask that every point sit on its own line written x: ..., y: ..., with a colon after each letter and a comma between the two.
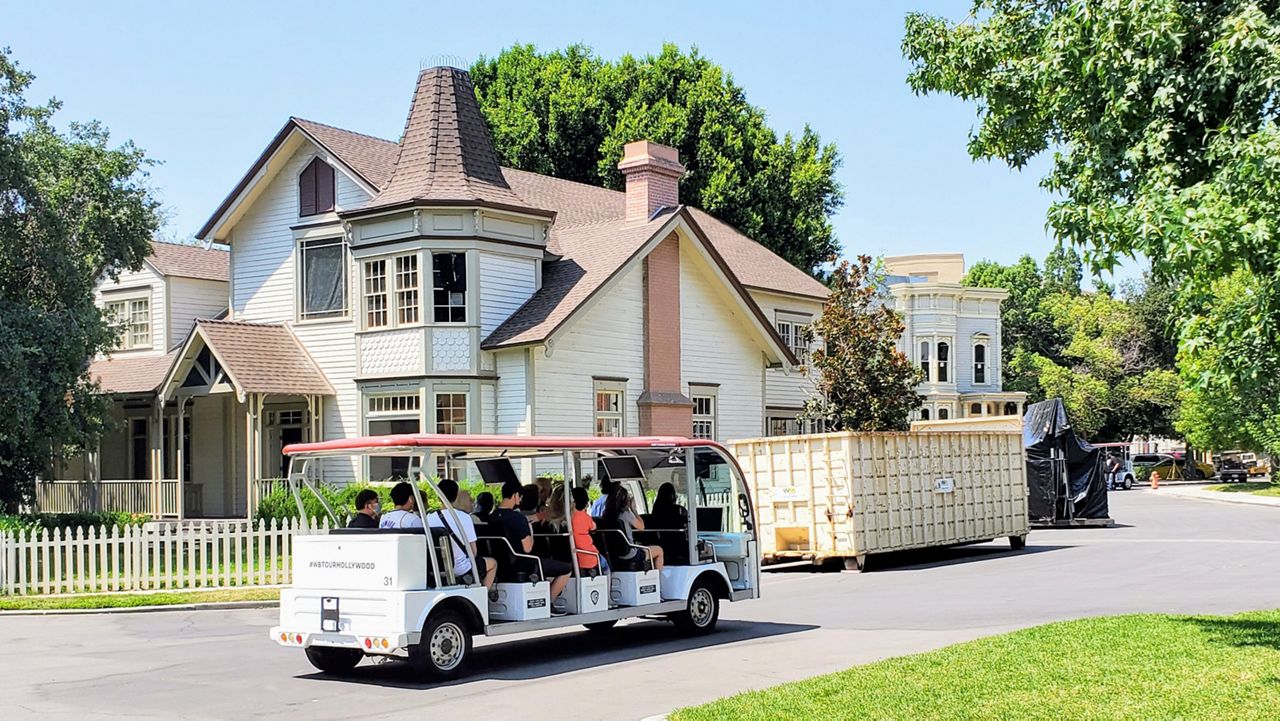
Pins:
x: 380, y: 286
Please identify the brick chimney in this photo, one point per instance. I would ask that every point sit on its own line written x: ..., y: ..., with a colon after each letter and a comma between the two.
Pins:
x: 653, y: 178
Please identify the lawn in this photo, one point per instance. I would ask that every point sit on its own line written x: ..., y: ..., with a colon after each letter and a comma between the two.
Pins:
x: 1257, y: 488
x: 1119, y: 667
x: 129, y: 600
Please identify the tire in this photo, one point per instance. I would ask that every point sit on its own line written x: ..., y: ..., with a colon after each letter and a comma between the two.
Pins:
x: 1128, y: 483
x: 334, y: 661
x: 601, y: 626
x: 857, y: 563
x: 444, y: 650
x: 1017, y: 543
x: 702, y: 612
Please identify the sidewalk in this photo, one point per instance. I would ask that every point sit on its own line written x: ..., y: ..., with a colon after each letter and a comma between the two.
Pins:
x: 1197, y: 491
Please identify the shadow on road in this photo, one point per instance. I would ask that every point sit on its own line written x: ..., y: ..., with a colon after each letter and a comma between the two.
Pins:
x: 923, y: 558
x: 532, y: 658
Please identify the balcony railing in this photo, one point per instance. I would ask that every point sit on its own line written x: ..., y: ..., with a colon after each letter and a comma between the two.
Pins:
x: 152, y: 498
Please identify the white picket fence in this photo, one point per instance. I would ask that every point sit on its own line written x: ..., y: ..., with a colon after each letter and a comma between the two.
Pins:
x: 155, y: 557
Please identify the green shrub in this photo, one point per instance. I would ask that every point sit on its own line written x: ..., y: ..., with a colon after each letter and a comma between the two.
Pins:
x: 280, y: 504
x: 1142, y: 474
x: 35, y: 521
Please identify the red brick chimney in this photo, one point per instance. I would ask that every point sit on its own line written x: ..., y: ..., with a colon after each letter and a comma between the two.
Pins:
x: 653, y: 178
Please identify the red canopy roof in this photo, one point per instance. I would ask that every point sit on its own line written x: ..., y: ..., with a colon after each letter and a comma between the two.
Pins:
x: 492, y: 442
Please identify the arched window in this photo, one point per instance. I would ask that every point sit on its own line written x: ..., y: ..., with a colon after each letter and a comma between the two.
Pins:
x: 1011, y: 409
x: 943, y: 414
x: 975, y: 409
x: 924, y: 414
x: 315, y: 189
x: 980, y: 360
x: 924, y: 361
x: 944, y: 354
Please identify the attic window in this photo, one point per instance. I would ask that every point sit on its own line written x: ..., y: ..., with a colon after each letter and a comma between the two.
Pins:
x: 315, y: 189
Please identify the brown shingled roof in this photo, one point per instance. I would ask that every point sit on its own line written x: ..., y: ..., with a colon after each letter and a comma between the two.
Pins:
x: 124, y: 374
x: 263, y: 358
x: 190, y: 261
x: 372, y: 158
x: 446, y: 154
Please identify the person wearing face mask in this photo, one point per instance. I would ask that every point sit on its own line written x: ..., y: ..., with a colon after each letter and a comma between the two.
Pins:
x: 367, y: 507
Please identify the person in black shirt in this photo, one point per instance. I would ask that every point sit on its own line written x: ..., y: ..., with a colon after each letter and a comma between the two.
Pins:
x: 367, y: 507
x: 515, y: 527
x: 667, y: 512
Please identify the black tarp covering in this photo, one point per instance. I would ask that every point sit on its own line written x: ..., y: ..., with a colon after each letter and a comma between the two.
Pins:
x: 1064, y: 473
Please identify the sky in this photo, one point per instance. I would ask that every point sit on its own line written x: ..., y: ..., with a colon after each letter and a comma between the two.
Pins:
x: 203, y: 87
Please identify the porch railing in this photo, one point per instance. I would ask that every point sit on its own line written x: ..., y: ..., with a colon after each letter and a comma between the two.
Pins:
x: 158, y: 499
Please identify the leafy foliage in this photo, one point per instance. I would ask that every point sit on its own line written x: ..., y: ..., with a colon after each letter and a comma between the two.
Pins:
x: 71, y: 210
x: 864, y: 382
x: 27, y: 522
x: 567, y: 113
x: 280, y: 504
x: 1161, y: 119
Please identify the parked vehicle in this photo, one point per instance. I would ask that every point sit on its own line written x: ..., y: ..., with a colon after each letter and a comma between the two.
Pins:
x: 1232, y: 470
x: 393, y: 592
x: 1118, y: 465
x: 1256, y: 465
x: 1173, y: 466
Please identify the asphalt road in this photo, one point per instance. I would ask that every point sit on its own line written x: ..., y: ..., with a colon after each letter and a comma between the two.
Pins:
x: 1169, y: 555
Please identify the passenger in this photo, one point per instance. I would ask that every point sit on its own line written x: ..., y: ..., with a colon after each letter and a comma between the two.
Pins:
x: 484, y: 507
x: 464, y: 502
x: 531, y: 503
x: 515, y: 527
x: 667, y: 514
x: 583, y: 525
x: 367, y: 506
x: 597, y: 508
x: 486, y: 568
x: 620, y: 513
x: 405, y: 514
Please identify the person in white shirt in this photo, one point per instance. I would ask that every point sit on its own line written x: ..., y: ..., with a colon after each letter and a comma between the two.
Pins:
x: 405, y: 515
x: 462, y: 528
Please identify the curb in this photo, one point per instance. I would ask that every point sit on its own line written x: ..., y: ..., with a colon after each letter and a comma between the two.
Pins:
x: 219, y: 606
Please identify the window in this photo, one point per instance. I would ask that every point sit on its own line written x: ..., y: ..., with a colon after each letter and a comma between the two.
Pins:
x: 975, y: 409
x: 392, y: 414
x: 132, y: 318
x: 451, y: 413
x: 944, y: 355
x: 704, y: 414
x: 943, y: 414
x: 783, y: 426
x: 610, y: 406
x: 324, y: 278
x: 1011, y: 409
x: 139, y: 449
x: 924, y: 361
x: 924, y: 414
x: 315, y: 189
x: 395, y: 404
x: 375, y: 293
x: 980, y: 359
x: 794, y: 335
x: 407, y: 289
x: 449, y: 287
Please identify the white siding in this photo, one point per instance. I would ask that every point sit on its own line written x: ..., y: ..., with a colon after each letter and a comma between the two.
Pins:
x: 333, y: 347
x: 506, y: 282
x: 131, y: 284
x: 608, y: 340
x: 966, y: 329
x: 488, y: 409
x: 786, y: 388
x: 189, y: 299
x: 262, y: 245
x: 716, y: 347
x: 512, y: 406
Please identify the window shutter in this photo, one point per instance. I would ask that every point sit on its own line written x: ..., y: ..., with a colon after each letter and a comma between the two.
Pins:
x: 324, y: 186
x: 307, y: 190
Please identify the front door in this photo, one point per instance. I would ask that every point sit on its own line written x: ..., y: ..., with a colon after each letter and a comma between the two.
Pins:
x: 139, y: 449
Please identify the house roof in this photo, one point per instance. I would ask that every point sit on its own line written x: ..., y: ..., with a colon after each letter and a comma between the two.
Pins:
x: 446, y: 155
x: 123, y: 374
x: 261, y: 357
x: 190, y: 261
x: 371, y: 158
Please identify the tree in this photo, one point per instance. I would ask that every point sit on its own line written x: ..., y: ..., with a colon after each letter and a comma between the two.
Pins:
x: 1160, y: 116
x: 567, y: 113
x: 864, y: 382
x: 71, y: 210
x: 1025, y: 328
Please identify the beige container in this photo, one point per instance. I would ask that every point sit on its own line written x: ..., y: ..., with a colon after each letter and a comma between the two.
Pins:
x: 848, y: 495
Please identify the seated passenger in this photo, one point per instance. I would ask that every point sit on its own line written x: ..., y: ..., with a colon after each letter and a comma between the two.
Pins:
x: 486, y: 568
x: 583, y: 525
x: 531, y: 503
x: 620, y: 513
x: 464, y: 503
x: 667, y: 514
x: 367, y: 506
x: 483, y: 507
x: 405, y: 514
x: 515, y: 527
x: 597, y: 508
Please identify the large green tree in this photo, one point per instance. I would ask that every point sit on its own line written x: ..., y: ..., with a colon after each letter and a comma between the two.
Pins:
x: 72, y: 208
x: 1161, y: 120
x: 567, y: 113
x: 864, y: 382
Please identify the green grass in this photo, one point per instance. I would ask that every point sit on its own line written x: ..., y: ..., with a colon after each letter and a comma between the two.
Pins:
x: 1119, y: 667
x: 1257, y: 488
x: 129, y: 600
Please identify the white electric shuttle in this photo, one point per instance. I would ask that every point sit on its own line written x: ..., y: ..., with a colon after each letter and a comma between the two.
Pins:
x: 393, y: 592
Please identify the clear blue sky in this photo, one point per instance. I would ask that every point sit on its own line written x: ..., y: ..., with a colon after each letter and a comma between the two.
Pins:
x: 203, y: 87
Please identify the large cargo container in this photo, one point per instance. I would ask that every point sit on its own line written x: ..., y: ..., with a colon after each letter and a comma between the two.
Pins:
x: 849, y: 495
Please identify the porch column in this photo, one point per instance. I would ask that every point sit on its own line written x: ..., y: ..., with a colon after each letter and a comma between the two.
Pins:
x: 180, y: 458
x: 157, y: 459
x: 253, y: 448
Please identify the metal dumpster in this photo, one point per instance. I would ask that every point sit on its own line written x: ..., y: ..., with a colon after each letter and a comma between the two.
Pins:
x: 848, y: 495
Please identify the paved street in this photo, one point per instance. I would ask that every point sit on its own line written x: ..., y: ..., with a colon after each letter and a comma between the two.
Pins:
x: 1169, y: 555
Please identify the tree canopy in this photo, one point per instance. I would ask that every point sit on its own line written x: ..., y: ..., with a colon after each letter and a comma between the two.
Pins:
x: 864, y: 382
x: 567, y: 113
x: 71, y: 210
x: 1160, y: 116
